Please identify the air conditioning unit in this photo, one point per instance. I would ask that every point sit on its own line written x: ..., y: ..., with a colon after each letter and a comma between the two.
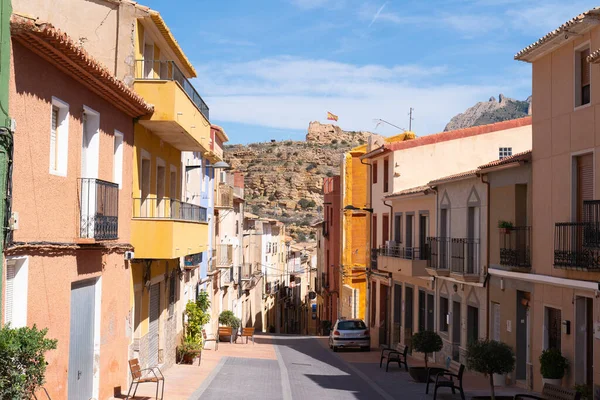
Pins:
x: 129, y: 255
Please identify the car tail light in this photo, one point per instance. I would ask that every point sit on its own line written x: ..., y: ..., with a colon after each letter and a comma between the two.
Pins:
x: 336, y: 333
x: 367, y: 332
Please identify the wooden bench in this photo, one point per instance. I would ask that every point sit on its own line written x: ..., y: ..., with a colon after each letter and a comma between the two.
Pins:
x: 552, y: 392
x: 152, y: 377
x: 397, y: 354
x: 452, y: 378
x: 205, y: 339
x: 248, y: 333
x: 225, y: 331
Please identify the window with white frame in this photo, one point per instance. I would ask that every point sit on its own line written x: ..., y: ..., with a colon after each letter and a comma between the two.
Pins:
x: 504, y: 152
x: 15, y: 306
x: 118, y: 159
x: 59, y: 137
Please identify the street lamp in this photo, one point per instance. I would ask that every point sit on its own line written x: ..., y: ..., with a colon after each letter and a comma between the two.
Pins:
x: 217, y: 165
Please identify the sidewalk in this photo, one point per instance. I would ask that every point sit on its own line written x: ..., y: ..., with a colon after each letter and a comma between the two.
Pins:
x: 181, y: 381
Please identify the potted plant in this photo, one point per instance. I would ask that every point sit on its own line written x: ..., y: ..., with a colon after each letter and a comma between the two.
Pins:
x: 326, y: 327
x: 553, y: 366
x: 425, y: 342
x: 505, y: 226
x: 227, y: 318
x: 196, y: 313
x: 490, y: 357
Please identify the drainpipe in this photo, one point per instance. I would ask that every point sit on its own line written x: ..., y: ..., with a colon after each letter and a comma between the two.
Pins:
x: 368, y: 267
x: 487, y: 256
x: 389, y: 296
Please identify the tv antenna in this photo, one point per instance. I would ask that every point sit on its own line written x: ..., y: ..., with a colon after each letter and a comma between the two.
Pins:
x: 380, y: 121
x: 410, y: 119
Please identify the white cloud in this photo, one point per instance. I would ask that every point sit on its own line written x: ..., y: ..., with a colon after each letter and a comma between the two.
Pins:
x: 287, y: 93
x: 377, y: 14
x: 540, y: 18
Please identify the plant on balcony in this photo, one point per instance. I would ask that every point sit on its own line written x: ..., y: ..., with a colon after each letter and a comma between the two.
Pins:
x: 490, y: 357
x: 553, y: 365
x: 22, y: 361
x: 505, y: 226
x: 425, y: 342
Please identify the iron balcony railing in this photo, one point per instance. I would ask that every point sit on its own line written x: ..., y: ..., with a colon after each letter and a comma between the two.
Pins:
x: 407, y: 253
x: 99, y: 209
x: 159, y: 70
x: 166, y: 208
x: 439, y: 253
x: 577, y: 245
x: 515, y: 247
x: 224, y: 196
x: 224, y: 255
x: 465, y: 256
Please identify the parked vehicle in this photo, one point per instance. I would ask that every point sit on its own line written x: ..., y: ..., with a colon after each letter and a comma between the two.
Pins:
x: 350, y: 333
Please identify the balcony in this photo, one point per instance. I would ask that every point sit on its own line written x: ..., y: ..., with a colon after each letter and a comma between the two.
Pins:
x: 577, y: 245
x: 224, y: 255
x: 224, y: 197
x: 180, y: 115
x: 515, y: 248
x: 454, y: 257
x: 406, y: 261
x: 98, y: 209
x: 168, y: 228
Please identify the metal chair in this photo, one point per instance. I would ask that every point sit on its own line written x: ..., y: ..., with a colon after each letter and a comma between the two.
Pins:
x: 137, y: 378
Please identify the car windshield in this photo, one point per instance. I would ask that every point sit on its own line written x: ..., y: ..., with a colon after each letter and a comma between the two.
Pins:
x: 351, y: 325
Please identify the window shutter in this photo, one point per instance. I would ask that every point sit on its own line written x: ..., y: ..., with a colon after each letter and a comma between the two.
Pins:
x: 374, y: 172
x: 585, y: 67
x: 53, y: 137
x: 585, y: 181
x: 10, y: 281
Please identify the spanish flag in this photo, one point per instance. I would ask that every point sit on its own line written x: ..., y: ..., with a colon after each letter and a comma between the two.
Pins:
x: 331, y: 116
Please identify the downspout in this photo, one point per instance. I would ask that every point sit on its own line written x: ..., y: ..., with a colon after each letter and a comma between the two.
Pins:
x: 389, y: 293
x: 368, y: 266
x: 487, y: 261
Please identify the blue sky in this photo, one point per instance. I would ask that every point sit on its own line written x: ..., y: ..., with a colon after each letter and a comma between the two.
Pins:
x: 268, y: 68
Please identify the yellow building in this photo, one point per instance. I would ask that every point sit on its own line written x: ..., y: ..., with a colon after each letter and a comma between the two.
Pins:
x: 165, y: 230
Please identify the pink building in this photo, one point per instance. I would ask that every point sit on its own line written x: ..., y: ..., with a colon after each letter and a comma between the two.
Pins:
x: 71, y: 200
x: 331, y: 246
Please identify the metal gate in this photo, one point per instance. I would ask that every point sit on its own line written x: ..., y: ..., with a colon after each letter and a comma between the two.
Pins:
x: 153, y: 330
x: 81, y: 344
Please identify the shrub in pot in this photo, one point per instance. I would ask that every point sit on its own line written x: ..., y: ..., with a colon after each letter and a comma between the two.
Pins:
x: 227, y: 318
x: 22, y: 361
x: 490, y: 357
x: 197, y: 316
x: 553, y: 366
x: 425, y: 342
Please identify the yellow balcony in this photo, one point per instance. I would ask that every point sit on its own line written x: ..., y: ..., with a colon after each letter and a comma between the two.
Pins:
x: 168, y: 228
x: 180, y: 115
x: 405, y: 261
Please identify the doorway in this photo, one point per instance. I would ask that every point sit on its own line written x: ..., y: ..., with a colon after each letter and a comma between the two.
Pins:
x: 522, y: 352
x: 472, y: 324
x: 430, y: 312
x: 383, y: 313
x: 423, y: 233
x: 584, y: 341
x: 408, y: 314
x: 81, y: 340
x: 422, y: 311
x: 455, y: 330
x: 153, y: 329
x: 397, y: 313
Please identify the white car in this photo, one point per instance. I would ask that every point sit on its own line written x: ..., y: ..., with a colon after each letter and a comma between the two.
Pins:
x: 350, y: 333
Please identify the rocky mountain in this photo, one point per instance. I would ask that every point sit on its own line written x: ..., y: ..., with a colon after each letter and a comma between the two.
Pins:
x: 491, y: 111
x: 284, y: 179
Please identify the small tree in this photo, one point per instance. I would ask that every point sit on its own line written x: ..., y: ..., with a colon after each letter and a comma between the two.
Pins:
x: 227, y: 318
x: 427, y: 342
x: 22, y: 361
x: 490, y: 357
x: 553, y: 364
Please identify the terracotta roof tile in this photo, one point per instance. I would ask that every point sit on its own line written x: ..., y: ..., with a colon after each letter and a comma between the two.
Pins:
x: 593, y: 13
x: 414, y: 190
x: 59, y: 49
x: 524, y: 156
x: 458, y: 134
x: 455, y: 177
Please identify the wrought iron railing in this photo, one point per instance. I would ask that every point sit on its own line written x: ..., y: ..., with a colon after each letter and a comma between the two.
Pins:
x: 224, y: 196
x: 515, y: 247
x: 166, y: 208
x: 464, y: 256
x: 224, y: 255
x: 99, y: 209
x: 407, y: 253
x: 169, y: 71
x: 439, y: 253
x: 577, y: 245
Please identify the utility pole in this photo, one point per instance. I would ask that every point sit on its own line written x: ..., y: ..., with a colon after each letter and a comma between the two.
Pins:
x: 410, y: 119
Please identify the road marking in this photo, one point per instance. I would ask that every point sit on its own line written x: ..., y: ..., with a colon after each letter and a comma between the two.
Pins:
x: 285, y: 378
x: 200, y: 391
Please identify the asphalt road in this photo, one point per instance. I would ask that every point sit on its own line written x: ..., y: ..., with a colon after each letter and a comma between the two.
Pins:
x: 304, y: 369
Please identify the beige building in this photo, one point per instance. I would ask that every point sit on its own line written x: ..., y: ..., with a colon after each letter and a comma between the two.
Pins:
x: 406, y: 213
x: 564, y: 273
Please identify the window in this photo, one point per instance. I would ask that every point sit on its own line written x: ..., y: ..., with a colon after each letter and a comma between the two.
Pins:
x: 386, y: 174
x: 374, y: 171
x: 584, y: 190
x: 398, y: 228
x: 15, y: 307
x: 118, y: 159
x: 504, y: 152
x: 582, y: 77
x: 443, y: 314
x: 374, y: 230
x: 172, y: 289
x: 59, y: 137
x: 385, y: 228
